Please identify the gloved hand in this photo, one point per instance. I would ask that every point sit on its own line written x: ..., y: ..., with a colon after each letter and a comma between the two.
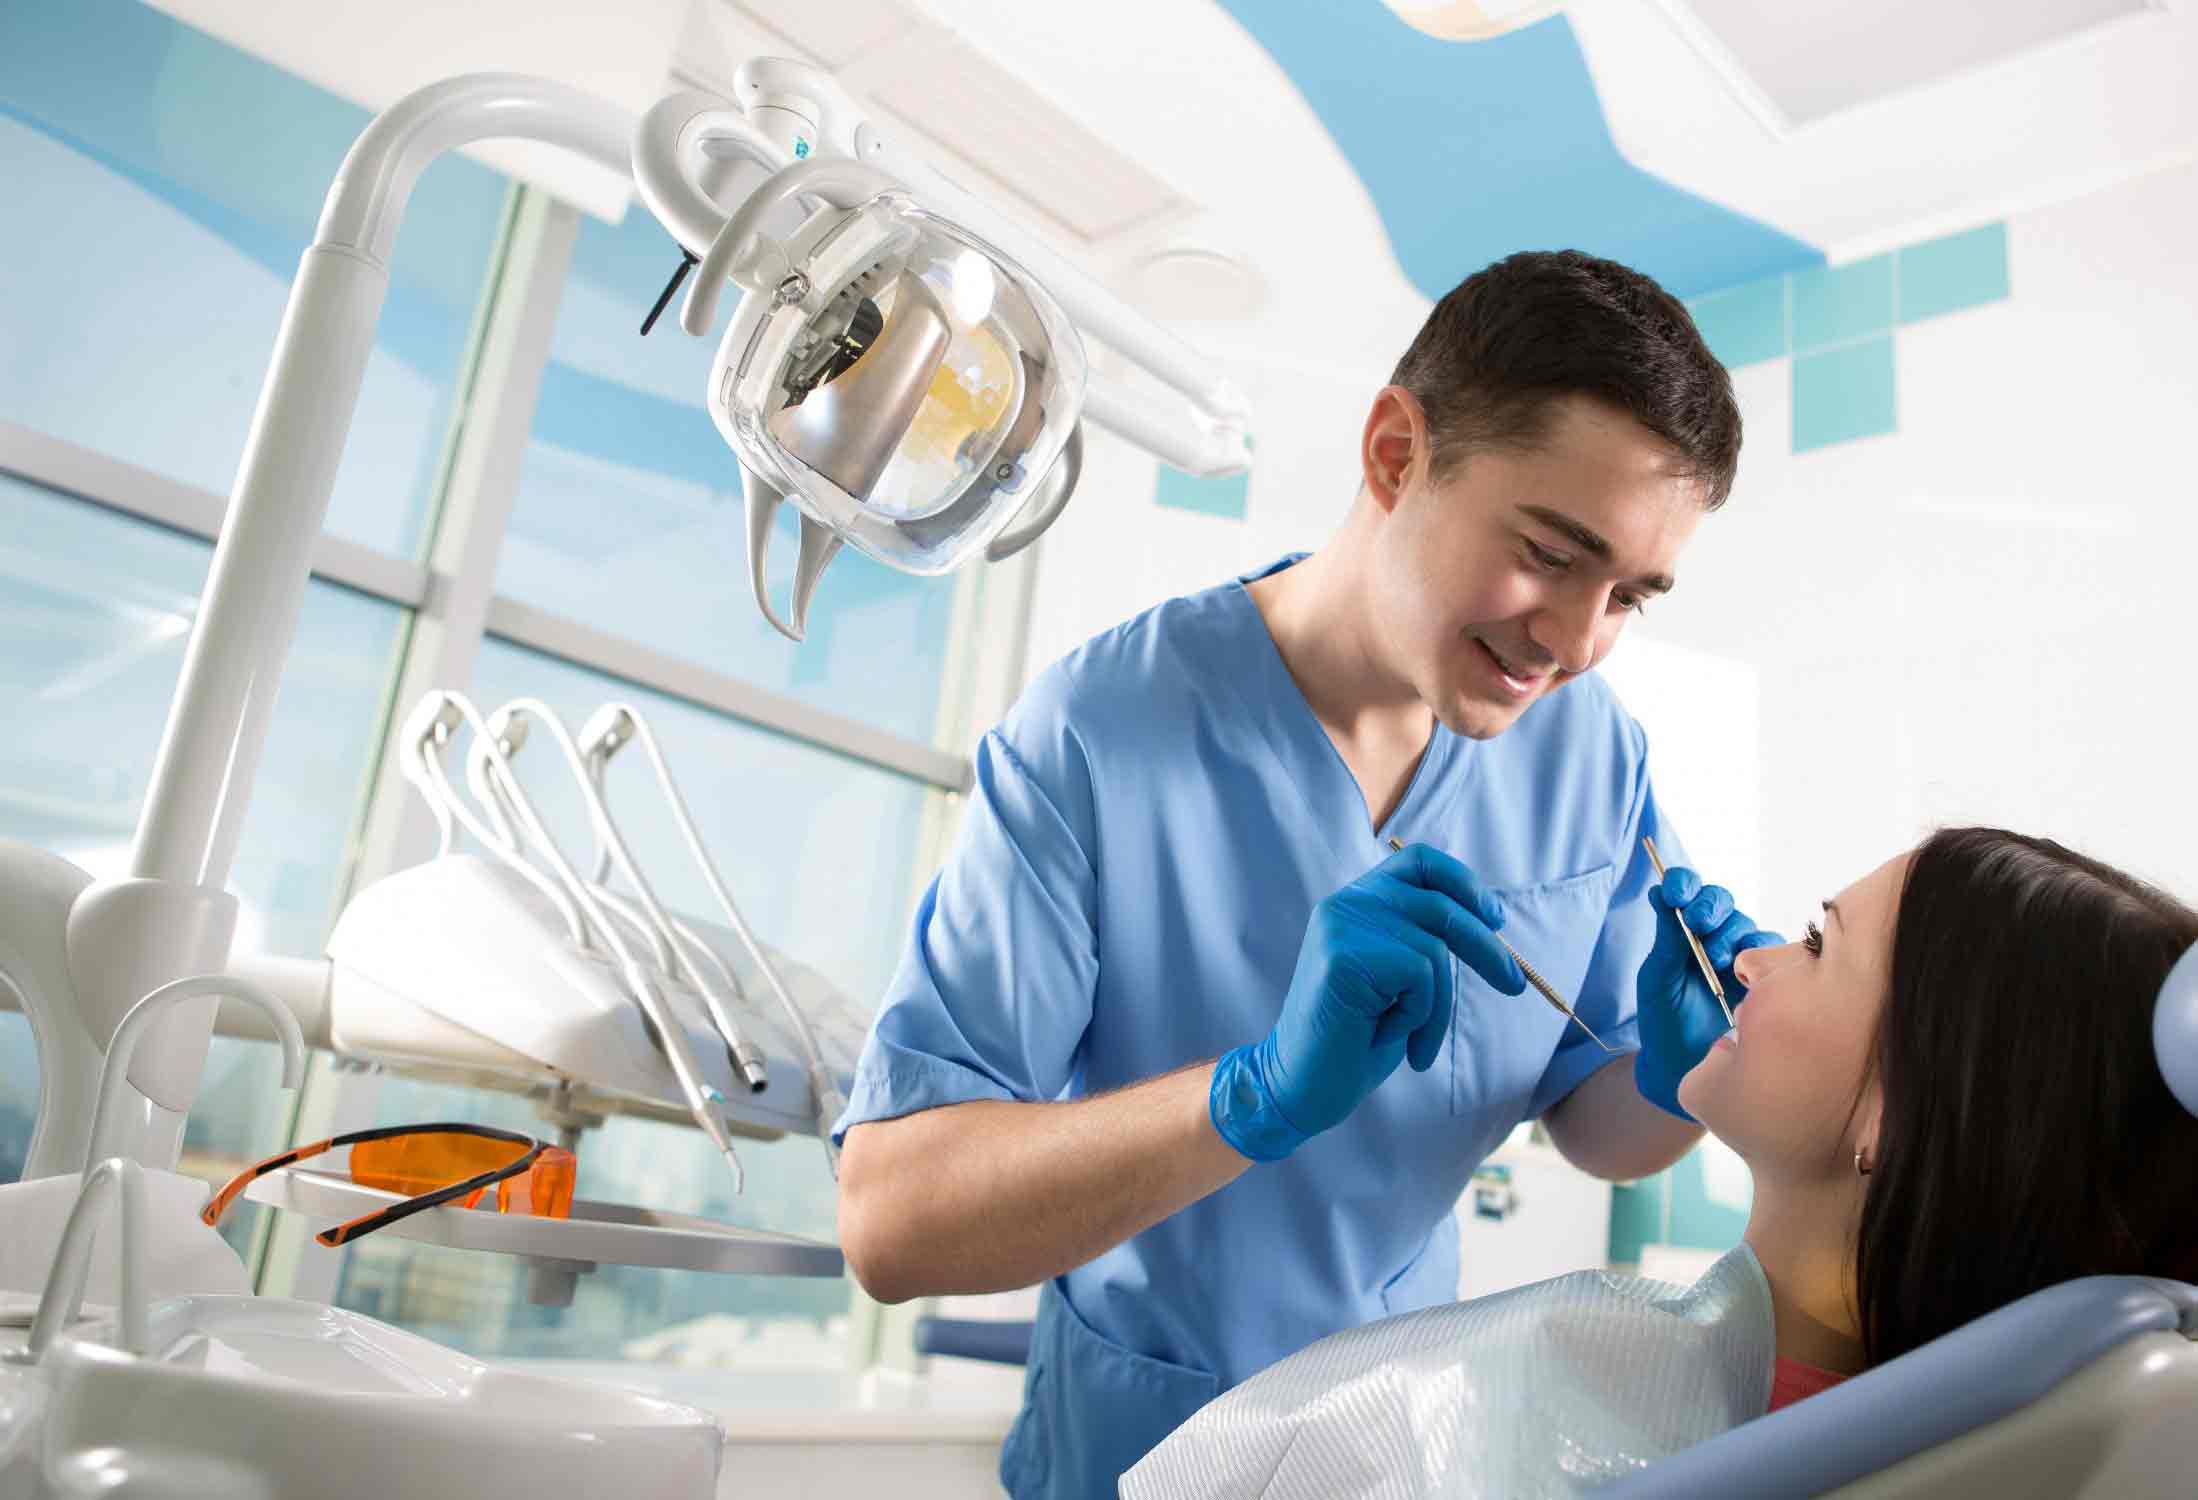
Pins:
x: 1680, y: 1020
x: 1372, y: 988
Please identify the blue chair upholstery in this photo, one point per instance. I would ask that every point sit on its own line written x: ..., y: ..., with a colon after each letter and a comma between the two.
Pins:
x: 1966, y: 1380
x: 967, y: 1338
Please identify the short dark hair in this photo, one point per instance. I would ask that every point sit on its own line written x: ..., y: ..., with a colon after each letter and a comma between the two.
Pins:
x: 2028, y: 1136
x: 1541, y: 325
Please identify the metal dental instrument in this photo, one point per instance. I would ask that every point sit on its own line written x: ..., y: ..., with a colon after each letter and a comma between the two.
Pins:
x: 607, y: 730
x: 703, y: 1100
x: 1547, y: 992
x: 1695, y: 943
x: 507, y: 723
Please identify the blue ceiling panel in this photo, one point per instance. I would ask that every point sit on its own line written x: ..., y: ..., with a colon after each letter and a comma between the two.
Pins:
x: 1471, y: 150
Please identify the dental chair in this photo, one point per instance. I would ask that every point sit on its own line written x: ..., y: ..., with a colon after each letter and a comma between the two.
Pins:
x: 2086, y: 1389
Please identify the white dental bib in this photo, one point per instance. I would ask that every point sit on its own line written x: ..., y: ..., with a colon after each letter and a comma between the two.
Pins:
x: 1546, y: 1390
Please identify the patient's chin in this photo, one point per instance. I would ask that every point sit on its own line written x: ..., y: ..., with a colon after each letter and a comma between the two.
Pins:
x: 1700, y: 1094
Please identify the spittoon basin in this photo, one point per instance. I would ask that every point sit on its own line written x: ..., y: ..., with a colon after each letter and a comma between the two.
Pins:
x: 296, y: 1398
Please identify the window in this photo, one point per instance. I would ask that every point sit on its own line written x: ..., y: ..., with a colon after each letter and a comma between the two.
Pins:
x: 161, y: 188
x: 96, y: 608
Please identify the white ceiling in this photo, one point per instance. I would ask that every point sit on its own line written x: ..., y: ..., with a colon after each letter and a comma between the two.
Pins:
x: 374, y: 52
x: 1815, y: 61
x: 1967, y: 110
x: 949, y: 93
x: 1964, y: 130
x: 1144, y: 127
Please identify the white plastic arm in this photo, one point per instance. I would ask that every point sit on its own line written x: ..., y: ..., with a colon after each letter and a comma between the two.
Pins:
x: 63, y: 1298
x: 675, y: 145
x: 108, y: 1128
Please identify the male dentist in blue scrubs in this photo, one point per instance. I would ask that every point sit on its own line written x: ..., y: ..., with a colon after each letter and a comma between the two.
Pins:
x: 1177, y: 1034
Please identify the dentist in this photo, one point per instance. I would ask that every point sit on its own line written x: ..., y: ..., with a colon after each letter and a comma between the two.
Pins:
x: 1175, y: 1033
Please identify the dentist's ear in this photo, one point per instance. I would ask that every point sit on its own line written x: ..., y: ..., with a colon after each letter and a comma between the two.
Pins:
x: 1394, y: 448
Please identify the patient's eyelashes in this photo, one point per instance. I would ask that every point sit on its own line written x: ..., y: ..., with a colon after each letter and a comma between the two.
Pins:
x: 1812, y: 938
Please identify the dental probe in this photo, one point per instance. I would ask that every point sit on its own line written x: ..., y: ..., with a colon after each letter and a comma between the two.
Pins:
x: 1696, y: 944
x: 1537, y: 981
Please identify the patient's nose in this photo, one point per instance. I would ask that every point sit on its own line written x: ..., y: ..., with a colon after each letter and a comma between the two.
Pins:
x: 1755, y: 964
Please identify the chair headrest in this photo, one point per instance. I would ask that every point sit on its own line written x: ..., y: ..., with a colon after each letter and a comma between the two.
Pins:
x: 2175, y: 1030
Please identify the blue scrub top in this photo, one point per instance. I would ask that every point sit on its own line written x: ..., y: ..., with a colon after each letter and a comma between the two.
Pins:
x: 1149, y: 831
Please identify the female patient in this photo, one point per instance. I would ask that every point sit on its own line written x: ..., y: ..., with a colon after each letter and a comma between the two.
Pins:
x: 1948, y: 1097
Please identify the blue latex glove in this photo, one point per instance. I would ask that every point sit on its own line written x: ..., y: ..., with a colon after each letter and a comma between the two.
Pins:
x: 1372, y: 989
x: 1680, y: 1020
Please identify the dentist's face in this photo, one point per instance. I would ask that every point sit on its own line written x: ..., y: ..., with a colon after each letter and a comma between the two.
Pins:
x: 1794, y: 1093
x: 1500, y: 582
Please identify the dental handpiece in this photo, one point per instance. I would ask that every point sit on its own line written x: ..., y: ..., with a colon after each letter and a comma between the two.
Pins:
x: 1542, y: 986
x: 680, y: 946
x: 1708, y: 972
x: 498, y: 786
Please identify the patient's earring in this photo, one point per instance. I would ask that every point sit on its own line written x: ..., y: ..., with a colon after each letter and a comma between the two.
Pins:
x: 1862, y: 1165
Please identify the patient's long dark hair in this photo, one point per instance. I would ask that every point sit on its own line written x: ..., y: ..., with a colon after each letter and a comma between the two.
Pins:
x: 2028, y: 1136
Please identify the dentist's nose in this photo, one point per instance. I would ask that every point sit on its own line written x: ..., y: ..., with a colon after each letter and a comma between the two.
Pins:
x: 1567, y: 633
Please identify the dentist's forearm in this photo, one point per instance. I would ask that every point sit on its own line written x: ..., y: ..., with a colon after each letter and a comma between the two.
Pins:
x: 990, y: 1195
x: 1605, y: 1128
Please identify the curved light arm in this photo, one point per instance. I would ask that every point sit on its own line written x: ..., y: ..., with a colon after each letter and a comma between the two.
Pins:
x: 366, y: 202
x: 669, y: 146
x: 740, y: 250
x: 107, y: 1128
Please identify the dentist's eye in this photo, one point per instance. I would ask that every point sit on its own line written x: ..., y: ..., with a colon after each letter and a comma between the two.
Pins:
x: 1543, y: 558
x: 1812, y: 938
x: 1638, y: 603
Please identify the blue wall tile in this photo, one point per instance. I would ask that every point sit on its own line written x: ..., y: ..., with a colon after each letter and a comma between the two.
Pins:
x: 1841, y: 394
x: 1958, y: 271
x: 1212, y: 497
x: 1697, y: 1221
x: 1636, y: 1217
x: 1834, y: 305
x: 1744, y: 325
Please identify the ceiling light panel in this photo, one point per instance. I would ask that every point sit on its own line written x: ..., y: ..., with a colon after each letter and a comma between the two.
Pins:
x: 1813, y: 58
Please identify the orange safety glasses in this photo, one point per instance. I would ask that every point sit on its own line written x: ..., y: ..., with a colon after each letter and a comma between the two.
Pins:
x: 435, y: 1164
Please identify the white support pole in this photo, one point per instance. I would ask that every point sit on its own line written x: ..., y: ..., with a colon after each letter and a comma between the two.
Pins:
x: 202, y: 778
x: 248, y: 614
x: 217, y: 725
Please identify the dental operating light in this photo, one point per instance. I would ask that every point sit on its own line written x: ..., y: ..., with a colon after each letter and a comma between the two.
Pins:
x: 904, y: 382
